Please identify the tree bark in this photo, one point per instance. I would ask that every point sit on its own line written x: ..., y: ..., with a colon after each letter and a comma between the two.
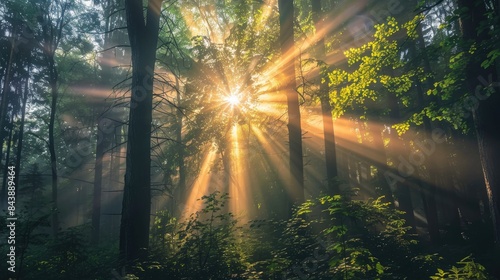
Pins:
x: 52, y: 34
x: 286, y: 40
x: 180, y: 145
x: 487, y: 115
x: 102, y: 140
x: 135, y: 220
x: 114, y: 176
x: 53, y: 76
x: 21, y: 129
x: 5, y: 98
x: 7, y: 159
x: 326, y: 109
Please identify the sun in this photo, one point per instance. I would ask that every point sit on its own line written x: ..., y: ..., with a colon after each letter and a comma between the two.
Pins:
x: 233, y: 100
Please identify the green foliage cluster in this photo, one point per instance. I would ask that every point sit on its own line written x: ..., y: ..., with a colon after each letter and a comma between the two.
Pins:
x: 395, y: 62
x: 334, y: 237
x: 331, y: 237
x: 376, y: 70
x: 69, y: 256
x: 205, y: 246
x: 466, y: 269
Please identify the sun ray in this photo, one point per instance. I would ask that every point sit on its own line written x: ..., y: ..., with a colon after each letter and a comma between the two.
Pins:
x: 269, y: 108
x: 201, y: 185
x: 240, y: 204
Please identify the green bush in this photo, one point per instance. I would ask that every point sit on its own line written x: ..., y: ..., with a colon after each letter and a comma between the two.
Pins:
x: 331, y: 237
x: 334, y: 237
x: 203, y: 247
x: 465, y: 269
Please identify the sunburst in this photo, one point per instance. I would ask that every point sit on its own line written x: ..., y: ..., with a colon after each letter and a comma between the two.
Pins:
x: 233, y: 100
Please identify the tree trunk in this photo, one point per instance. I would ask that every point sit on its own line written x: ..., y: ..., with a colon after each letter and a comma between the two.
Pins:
x: 7, y: 159
x: 21, y: 130
x: 286, y: 17
x: 102, y: 132
x: 102, y: 140
x: 181, y: 148
x: 53, y: 76
x: 5, y: 99
x: 52, y: 34
x: 487, y: 115
x: 326, y: 109
x: 135, y: 220
x: 114, y: 176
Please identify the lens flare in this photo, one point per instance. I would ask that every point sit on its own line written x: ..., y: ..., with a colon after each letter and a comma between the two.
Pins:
x: 233, y: 100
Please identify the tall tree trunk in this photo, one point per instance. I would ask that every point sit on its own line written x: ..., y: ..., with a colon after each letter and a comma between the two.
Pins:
x: 52, y: 34
x: 102, y: 132
x: 7, y: 159
x: 180, y: 145
x: 21, y: 129
x: 286, y: 39
x: 53, y: 76
x: 135, y: 220
x: 114, y: 176
x: 487, y: 115
x: 468, y: 174
x: 326, y: 109
x: 5, y: 98
x: 102, y: 141
x: 228, y: 176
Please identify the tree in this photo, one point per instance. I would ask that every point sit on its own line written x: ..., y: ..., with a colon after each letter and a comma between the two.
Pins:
x: 379, y: 75
x: 14, y: 60
x: 326, y: 108
x: 143, y: 36
x: 103, y: 141
x: 106, y: 122
x: 287, y: 69
x: 5, y: 94
x: 53, y: 20
x: 19, y: 148
x: 473, y: 16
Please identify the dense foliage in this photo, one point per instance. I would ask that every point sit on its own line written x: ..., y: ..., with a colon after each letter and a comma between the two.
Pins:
x: 331, y: 237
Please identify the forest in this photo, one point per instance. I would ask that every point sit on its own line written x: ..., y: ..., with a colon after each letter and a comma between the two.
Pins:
x: 249, y: 139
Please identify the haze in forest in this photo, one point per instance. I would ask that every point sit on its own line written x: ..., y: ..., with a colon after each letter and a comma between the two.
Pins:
x: 249, y: 139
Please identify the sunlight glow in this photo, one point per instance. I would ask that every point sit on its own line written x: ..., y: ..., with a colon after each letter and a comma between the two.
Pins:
x: 255, y: 117
x: 233, y: 100
x: 200, y: 186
